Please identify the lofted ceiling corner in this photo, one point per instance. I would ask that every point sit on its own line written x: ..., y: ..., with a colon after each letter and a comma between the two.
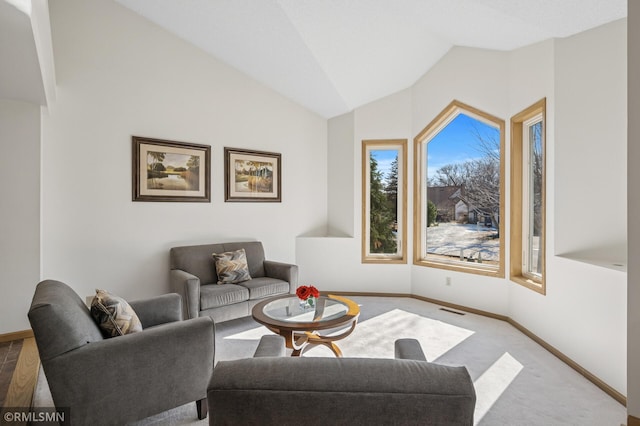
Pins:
x: 20, y: 75
x: 26, y: 67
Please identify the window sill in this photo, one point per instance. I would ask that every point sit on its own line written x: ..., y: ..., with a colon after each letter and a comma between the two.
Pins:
x: 469, y: 268
x: 536, y: 286
x: 385, y: 260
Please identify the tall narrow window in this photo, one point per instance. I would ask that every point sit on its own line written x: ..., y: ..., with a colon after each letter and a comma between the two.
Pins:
x: 459, y: 185
x: 384, y: 188
x: 528, y: 197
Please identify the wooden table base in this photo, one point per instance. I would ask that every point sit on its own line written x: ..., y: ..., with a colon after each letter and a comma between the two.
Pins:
x: 300, y: 342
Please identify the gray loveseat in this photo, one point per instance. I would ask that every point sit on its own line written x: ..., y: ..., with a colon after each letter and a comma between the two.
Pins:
x: 125, y: 378
x: 194, y: 277
x: 270, y: 389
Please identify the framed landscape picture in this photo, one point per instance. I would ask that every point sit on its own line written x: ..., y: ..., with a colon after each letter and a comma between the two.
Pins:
x: 170, y: 171
x: 252, y: 175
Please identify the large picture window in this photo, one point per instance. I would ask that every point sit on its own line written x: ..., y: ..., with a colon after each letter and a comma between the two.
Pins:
x: 459, y: 192
x: 528, y: 197
x: 384, y: 188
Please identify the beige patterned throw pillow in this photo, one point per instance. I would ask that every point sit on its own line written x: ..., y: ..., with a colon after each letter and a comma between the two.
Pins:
x: 114, y: 315
x: 232, y: 267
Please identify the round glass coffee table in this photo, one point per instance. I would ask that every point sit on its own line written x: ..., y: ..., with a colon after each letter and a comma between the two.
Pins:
x: 301, y: 326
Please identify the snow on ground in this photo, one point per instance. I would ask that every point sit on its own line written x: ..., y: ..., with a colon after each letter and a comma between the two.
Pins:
x: 449, y: 238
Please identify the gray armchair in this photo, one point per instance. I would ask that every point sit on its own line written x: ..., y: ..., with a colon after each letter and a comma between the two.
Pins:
x: 125, y: 378
x: 193, y: 276
x: 270, y: 389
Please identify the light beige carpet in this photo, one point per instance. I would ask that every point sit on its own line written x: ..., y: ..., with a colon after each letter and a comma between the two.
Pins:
x: 517, y: 381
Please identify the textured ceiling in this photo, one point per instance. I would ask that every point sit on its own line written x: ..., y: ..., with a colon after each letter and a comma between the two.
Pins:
x: 332, y: 56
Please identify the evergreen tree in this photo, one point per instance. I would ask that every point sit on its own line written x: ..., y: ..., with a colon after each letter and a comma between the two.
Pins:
x: 391, y: 188
x: 432, y: 213
x: 381, y: 217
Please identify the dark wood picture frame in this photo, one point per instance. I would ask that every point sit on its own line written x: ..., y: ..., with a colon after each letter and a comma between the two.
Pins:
x: 164, y: 170
x: 252, y: 176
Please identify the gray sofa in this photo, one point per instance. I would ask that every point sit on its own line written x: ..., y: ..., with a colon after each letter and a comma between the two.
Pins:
x: 270, y: 389
x: 193, y: 276
x: 125, y: 378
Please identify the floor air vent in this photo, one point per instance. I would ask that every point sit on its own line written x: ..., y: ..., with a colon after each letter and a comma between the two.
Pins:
x: 452, y: 311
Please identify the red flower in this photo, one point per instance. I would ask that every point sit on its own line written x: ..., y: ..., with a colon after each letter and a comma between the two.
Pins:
x: 314, y: 291
x: 304, y: 292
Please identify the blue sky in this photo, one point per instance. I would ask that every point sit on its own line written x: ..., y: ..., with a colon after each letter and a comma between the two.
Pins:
x: 384, y: 159
x: 454, y: 144
x: 457, y: 142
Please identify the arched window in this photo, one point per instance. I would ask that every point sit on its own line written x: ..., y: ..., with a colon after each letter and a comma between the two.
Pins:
x: 459, y: 192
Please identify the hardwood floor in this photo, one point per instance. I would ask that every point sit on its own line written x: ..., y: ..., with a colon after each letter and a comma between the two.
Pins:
x: 9, y: 353
x: 19, y: 364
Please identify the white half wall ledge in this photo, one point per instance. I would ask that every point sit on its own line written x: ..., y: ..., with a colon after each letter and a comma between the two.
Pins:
x: 611, y: 257
x: 329, y: 234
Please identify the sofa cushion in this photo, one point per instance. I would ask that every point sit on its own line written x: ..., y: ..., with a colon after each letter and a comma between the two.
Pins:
x: 114, y: 315
x: 231, y: 267
x: 265, y: 287
x: 213, y: 296
x: 197, y: 260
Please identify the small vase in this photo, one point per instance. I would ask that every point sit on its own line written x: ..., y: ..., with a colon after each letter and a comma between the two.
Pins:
x: 306, y: 304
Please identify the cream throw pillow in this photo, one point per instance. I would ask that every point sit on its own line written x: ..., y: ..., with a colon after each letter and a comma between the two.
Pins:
x: 114, y: 315
x: 232, y: 267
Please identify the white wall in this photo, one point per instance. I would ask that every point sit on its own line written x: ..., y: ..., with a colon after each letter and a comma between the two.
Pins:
x: 118, y: 76
x: 633, y: 191
x: 591, y: 117
x: 19, y: 211
x: 340, y: 176
x: 583, y: 78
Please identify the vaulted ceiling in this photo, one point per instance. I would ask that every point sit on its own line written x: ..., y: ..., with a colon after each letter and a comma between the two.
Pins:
x: 330, y: 56
x: 335, y: 55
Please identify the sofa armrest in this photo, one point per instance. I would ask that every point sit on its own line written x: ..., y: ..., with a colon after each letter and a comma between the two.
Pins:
x: 188, y: 287
x: 158, y: 310
x: 270, y: 345
x: 409, y: 349
x: 282, y: 271
x: 141, y: 373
